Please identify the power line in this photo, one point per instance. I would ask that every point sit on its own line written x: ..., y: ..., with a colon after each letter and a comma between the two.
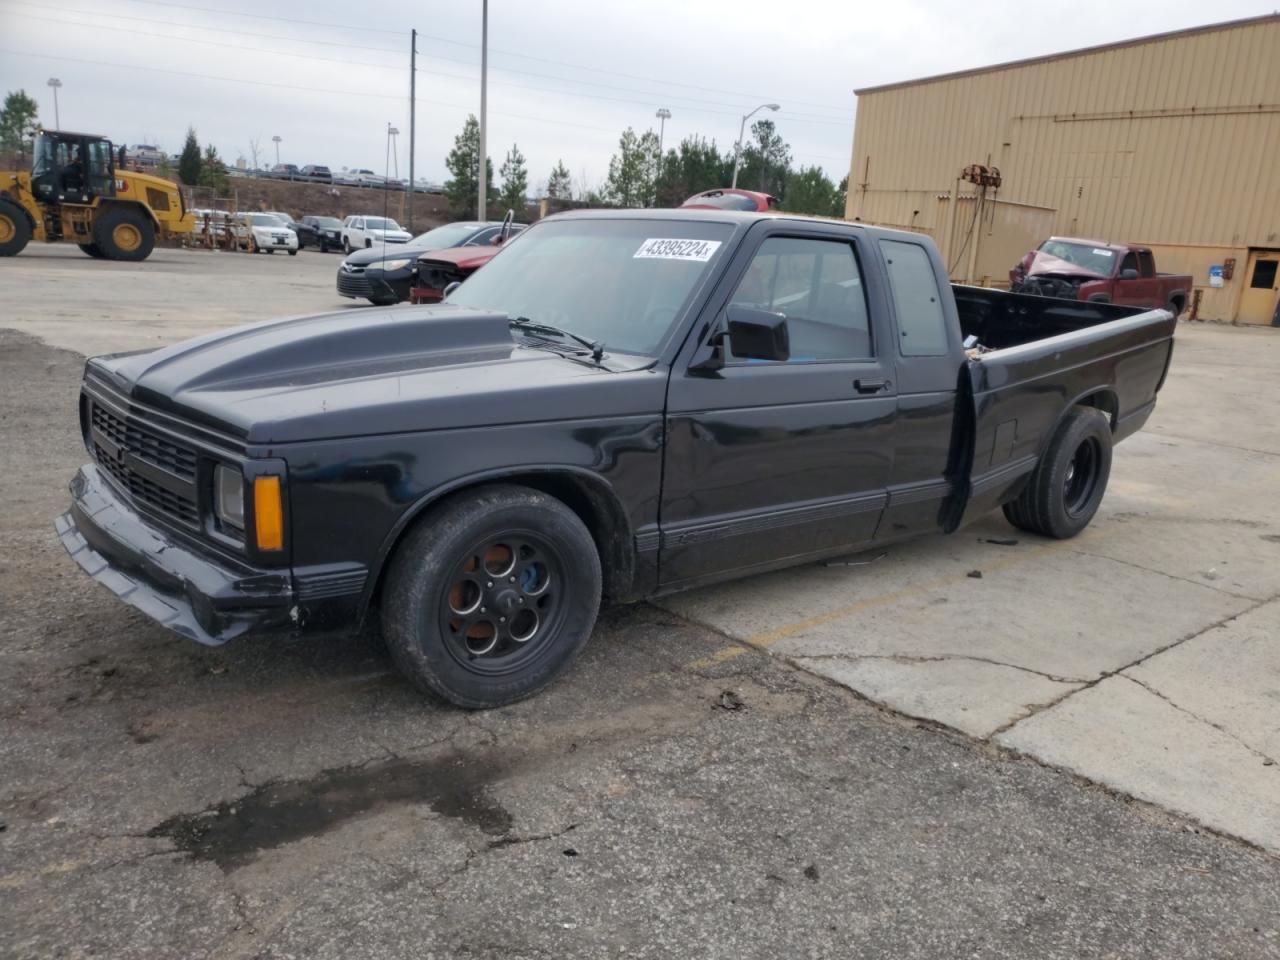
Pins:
x: 197, y: 26
x: 510, y: 53
x: 732, y: 111
x: 262, y: 16
x: 290, y: 86
x: 214, y: 43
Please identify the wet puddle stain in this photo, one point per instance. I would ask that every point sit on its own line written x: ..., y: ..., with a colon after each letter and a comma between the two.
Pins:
x: 233, y: 833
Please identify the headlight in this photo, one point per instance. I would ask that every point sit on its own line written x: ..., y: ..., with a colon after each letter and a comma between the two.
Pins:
x: 228, y: 496
x: 395, y: 264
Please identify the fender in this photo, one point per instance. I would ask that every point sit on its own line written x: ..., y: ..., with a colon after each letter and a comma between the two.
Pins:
x: 1108, y: 403
x: 596, y: 504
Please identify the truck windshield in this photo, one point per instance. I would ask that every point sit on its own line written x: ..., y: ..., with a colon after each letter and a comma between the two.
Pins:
x: 622, y: 282
x: 1094, y: 259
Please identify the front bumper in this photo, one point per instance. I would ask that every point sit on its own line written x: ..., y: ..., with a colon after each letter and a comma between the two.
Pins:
x: 376, y: 284
x: 196, y: 594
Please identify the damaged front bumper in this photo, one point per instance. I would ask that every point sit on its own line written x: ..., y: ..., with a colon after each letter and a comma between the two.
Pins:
x: 196, y: 594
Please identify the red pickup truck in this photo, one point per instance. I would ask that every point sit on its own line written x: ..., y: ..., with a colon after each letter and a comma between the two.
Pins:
x: 1074, y: 269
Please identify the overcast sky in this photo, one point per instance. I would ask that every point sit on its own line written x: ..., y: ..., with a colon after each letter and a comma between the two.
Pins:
x: 565, y: 77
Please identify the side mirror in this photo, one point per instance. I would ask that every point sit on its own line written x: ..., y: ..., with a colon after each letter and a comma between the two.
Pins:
x: 758, y: 334
x: 449, y: 288
x: 1130, y: 274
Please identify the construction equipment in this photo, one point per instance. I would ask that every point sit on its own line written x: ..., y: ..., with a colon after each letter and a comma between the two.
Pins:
x: 76, y: 192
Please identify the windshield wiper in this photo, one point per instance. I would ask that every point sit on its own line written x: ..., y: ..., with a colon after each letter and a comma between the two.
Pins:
x: 533, y: 326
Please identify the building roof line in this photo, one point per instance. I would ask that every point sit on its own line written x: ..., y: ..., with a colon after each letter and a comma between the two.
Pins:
x: 1082, y: 51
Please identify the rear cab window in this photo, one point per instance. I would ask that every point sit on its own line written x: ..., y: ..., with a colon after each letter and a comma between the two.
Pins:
x: 922, y: 325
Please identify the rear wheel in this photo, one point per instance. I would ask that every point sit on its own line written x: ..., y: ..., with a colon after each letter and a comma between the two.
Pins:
x: 15, y: 229
x: 346, y: 244
x: 1067, y: 486
x: 491, y: 596
x: 123, y: 234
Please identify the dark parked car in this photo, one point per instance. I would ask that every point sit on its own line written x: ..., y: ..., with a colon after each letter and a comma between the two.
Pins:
x: 318, y: 174
x: 623, y: 403
x: 284, y: 171
x: 384, y: 275
x: 323, y: 233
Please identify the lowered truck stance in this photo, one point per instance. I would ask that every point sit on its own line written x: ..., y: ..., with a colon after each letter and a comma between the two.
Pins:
x: 619, y: 405
x: 1099, y: 272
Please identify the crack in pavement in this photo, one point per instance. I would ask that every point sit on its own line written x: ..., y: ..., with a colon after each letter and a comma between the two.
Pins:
x: 939, y: 658
x: 1035, y: 711
x: 1215, y: 443
x: 1195, y: 716
x: 1162, y: 573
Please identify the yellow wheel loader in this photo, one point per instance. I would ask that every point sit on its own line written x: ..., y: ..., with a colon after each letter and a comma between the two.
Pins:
x: 75, y: 192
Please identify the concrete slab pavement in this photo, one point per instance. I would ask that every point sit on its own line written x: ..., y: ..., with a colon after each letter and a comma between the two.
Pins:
x: 1144, y: 654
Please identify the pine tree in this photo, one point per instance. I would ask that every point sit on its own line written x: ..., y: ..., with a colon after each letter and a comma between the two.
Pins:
x: 189, y: 160
x: 515, y: 182
x: 633, y: 170
x: 463, y: 189
x: 18, y: 121
x: 559, y: 184
x: 213, y: 173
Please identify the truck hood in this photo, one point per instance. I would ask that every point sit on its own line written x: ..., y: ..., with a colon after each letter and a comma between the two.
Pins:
x: 1044, y: 264
x: 356, y: 373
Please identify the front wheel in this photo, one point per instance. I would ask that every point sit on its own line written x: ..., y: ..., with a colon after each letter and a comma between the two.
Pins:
x: 293, y: 253
x: 124, y: 234
x: 15, y: 229
x: 1066, y: 488
x: 92, y: 250
x: 346, y: 245
x: 491, y: 596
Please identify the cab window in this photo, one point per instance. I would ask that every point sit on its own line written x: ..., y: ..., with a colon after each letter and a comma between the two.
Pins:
x: 1146, y: 264
x: 922, y: 327
x: 817, y: 286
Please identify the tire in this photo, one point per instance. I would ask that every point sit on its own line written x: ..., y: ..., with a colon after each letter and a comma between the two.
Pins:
x: 368, y: 244
x: 92, y: 250
x: 293, y: 253
x: 15, y: 229
x: 383, y: 301
x: 504, y: 550
x: 346, y: 245
x: 123, y: 234
x: 1175, y: 306
x: 1067, y: 486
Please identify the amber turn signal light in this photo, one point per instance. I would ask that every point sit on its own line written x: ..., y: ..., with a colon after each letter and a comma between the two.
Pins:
x: 268, y: 513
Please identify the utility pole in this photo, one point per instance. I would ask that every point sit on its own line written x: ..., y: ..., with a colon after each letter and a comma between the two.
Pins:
x: 484, y: 109
x: 413, y: 107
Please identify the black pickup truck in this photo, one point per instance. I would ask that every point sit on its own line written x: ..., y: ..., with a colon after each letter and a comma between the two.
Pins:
x: 620, y: 404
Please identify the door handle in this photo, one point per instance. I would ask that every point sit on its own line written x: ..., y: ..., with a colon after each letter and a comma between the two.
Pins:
x: 863, y: 385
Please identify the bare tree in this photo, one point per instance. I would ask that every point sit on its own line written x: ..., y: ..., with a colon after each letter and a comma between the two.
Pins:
x: 255, y: 148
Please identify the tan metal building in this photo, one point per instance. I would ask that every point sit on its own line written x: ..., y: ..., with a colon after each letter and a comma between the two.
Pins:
x: 1171, y: 141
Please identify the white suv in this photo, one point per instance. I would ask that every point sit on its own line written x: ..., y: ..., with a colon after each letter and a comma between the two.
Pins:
x: 359, y: 233
x: 269, y: 233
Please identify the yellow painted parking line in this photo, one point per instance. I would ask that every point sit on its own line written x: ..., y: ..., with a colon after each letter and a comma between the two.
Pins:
x: 762, y: 641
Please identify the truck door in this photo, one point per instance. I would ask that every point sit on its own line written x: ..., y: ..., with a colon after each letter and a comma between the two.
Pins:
x: 768, y: 461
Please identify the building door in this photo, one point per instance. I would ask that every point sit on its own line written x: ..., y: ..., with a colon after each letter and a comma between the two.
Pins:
x: 1258, y: 301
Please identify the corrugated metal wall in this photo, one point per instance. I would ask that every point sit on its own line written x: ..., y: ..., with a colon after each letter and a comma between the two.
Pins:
x: 1173, y: 140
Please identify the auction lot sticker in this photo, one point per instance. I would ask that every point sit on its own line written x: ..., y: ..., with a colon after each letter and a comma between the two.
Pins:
x: 660, y: 249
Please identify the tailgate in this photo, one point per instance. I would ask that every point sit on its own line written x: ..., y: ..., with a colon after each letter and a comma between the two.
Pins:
x: 1018, y: 395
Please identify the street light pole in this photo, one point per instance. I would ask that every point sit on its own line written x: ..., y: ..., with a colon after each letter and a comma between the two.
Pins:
x: 55, y: 83
x: 413, y: 110
x: 276, y: 140
x: 742, y: 130
x: 663, y: 116
x: 482, y: 204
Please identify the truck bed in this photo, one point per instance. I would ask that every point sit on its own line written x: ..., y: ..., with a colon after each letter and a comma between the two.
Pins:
x: 1043, y: 357
x: 1002, y: 319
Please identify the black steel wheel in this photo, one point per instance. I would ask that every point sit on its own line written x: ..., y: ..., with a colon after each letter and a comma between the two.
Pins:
x: 491, y: 595
x: 1066, y: 488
